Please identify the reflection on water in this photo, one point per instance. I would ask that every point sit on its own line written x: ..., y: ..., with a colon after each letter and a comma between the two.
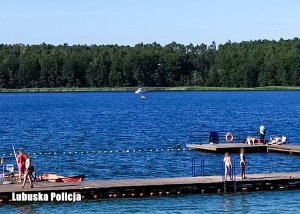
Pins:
x: 251, y: 202
x: 227, y: 202
x: 244, y: 203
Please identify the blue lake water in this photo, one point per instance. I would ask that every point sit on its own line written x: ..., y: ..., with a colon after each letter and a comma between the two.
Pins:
x: 64, y: 132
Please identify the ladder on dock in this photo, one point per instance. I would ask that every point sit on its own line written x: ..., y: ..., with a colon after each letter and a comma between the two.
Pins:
x: 197, y: 167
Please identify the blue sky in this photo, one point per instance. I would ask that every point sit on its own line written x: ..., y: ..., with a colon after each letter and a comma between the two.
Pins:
x: 133, y: 21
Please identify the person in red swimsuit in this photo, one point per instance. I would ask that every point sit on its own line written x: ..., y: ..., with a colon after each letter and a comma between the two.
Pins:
x: 21, y: 164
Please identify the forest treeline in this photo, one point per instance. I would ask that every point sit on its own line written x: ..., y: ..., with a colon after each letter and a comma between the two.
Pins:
x: 245, y: 64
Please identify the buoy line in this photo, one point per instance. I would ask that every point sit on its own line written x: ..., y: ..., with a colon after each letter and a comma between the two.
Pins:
x: 102, y: 151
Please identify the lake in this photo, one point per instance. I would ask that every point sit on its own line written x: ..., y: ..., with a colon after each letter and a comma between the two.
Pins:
x: 107, y: 135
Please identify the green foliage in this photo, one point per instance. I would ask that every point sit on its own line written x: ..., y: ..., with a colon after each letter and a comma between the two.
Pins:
x: 247, y: 64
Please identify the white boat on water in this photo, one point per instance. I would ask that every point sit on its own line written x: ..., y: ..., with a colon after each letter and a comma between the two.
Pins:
x: 139, y: 90
x: 141, y: 93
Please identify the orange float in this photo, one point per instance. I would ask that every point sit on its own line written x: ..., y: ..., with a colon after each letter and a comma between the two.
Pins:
x: 229, y: 137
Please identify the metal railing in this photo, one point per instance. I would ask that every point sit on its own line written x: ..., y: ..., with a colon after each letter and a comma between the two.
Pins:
x: 240, y: 135
x: 202, y: 137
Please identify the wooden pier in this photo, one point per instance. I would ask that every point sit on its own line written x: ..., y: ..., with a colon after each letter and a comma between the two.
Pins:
x: 228, y: 147
x: 291, y: 149
x: 235, y: 147
x: 158, y: 186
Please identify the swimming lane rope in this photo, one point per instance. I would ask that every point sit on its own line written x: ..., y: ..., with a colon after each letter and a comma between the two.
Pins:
x: 101, y: 151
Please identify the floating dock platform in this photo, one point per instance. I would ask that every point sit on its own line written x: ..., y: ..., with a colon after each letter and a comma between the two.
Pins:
x: 291, y: 149
x: 158, y: 186
x: 228, y: 147
x: 235, y: 147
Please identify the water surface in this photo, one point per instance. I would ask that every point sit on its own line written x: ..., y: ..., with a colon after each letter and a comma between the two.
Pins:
x: 71, y: 128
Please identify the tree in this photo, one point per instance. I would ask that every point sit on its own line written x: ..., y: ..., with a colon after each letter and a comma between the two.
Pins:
x: 244, y: 64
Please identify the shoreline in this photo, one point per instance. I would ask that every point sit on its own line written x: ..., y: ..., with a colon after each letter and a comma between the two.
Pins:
x: 132, y: 89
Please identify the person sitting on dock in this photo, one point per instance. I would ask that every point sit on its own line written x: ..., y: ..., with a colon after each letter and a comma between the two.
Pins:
x: 243, y: 163
x: 227, y: 162
x: 262, y: 131
x: 250, y: 140
x: 21, y: 164
x: 28, y: 172
x: 277, y: 140
x: 283, y: 140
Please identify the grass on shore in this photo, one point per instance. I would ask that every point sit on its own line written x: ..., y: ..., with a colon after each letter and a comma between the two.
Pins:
x: 187, y: 88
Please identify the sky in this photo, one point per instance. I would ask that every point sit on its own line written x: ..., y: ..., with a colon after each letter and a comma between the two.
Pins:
x: 128, y: 22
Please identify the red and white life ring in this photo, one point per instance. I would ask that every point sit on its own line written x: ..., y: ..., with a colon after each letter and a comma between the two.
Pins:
x: 229, y: 137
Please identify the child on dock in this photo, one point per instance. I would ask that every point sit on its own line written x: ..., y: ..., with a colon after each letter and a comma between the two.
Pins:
x: 227, y: 162
x: 242, y: 163
x: 28, y: 172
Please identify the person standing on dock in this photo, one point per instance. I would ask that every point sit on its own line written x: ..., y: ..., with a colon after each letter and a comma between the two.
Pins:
x: 28, y: 172
x: 243, y: 163
x: 262, y: 131
x: 227, y: 162
x: 21, y: 164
